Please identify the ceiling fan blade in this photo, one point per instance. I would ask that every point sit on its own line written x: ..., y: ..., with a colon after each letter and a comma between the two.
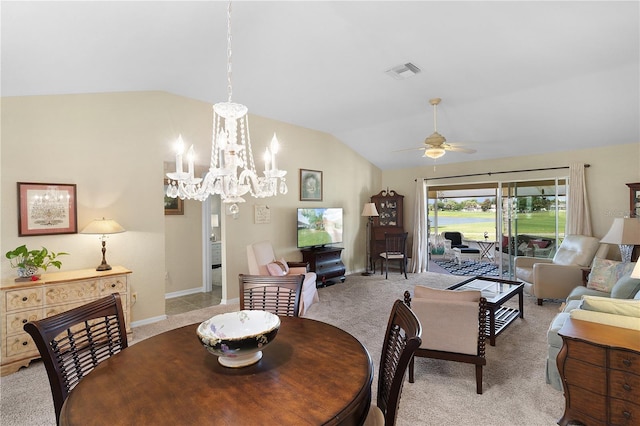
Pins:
x: 459, y: 149
x: 409, y: 149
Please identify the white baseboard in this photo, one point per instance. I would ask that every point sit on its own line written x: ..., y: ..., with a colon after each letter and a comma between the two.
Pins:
x: 183, y: 293
x: 148, y: 321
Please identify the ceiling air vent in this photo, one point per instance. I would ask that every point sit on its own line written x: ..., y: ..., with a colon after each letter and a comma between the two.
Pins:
x: 404, y: 71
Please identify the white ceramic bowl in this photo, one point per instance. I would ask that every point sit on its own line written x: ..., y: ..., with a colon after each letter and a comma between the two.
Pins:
x: 237, y: 338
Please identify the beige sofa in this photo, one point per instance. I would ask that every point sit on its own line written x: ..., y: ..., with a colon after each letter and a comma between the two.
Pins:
x: 619, y: 312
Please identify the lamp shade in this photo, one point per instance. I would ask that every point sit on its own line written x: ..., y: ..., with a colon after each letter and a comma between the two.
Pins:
x: 623, y: 231
x: 103, y: 226
x: 636, y: 271
x: 369, y: 210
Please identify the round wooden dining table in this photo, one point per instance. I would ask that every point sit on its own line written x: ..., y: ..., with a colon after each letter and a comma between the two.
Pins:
x: 313, y: 373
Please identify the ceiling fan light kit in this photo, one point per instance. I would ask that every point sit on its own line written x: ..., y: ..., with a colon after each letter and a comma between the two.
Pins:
x: 434, y: 152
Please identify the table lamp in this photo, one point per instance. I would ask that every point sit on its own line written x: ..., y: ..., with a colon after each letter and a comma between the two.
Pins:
x: 369, y: 211
x: 636, y: 271
x: 103, y: 227
x: 626, y: 233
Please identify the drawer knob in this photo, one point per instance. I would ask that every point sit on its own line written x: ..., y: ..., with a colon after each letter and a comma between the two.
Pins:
x: 25, y: 298
x: 626, y: 414
x: 113, y: 285
x: 24, y: 320
x: 626, y: 387
x: 626, y: 362
x: 25, y: 343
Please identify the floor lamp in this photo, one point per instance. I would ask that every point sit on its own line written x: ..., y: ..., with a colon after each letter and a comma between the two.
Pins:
x: 369, y: 211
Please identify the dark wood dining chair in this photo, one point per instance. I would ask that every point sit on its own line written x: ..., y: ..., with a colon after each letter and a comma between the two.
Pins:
x: 454, y: 327
x: 395, y: 248
x: 74, y: 342
x: 279, y: 295
x: 401, y: 340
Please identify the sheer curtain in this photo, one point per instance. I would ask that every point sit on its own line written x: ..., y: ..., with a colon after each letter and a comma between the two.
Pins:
x: 419, y: 256
x: 578, y: 215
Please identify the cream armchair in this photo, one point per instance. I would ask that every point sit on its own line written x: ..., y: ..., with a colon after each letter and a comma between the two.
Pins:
x: 262, y: 261
x: 555, y: 278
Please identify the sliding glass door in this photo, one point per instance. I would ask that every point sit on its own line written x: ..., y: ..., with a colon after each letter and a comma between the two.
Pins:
x: 524, y: 218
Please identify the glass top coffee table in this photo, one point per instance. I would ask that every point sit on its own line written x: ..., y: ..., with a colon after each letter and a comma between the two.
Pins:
x: 496, y: 291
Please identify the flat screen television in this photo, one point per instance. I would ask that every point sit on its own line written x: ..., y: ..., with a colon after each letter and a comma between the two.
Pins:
x: 319, y: 227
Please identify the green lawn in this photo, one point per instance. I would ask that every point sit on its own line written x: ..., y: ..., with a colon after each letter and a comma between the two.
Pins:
x: 537, y: 223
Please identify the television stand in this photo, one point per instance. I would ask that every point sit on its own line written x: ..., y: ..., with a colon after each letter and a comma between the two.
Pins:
x: 326, y: 262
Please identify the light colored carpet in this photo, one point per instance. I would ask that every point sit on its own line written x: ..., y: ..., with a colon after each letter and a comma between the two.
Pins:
x: 444, y: 392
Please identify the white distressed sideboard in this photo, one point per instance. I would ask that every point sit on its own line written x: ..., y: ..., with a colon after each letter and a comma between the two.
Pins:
x: 53, y: 293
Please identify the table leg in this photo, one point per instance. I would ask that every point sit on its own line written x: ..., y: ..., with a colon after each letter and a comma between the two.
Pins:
x: 520, y: 303
x: 492, y: 325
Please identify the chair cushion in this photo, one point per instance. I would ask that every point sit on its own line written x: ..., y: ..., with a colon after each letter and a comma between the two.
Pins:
x: 605, y: 273
x: 375, y: 416
x: 422, y: 292
x: 626, y: 288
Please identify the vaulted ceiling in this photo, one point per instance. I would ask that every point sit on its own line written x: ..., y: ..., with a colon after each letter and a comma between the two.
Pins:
x: 515, y: 77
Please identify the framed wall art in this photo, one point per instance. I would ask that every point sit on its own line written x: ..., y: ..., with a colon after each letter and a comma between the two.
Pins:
x: 172, y: 205
x: 310, y: 185
x: 47, y: 209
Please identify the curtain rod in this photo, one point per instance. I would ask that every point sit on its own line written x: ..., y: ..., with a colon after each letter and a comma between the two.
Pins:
x: 498, y: 173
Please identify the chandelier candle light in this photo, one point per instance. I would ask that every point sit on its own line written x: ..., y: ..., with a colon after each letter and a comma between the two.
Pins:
x: 232, y: 172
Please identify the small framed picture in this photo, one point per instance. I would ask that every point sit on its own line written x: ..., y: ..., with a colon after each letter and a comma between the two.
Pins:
x: 172, y: 205
x: 47, y: 209
x: 310, y: 185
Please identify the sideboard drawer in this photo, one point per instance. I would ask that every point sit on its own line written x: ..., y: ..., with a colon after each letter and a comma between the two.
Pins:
x: 625, y: 361
x: 588, y: 402
x: 624, y: 386
x: 586, y: 352
x: 16, y: 321
x: 586, y: 376
x: 81, y: 290
x: 19, y: 344
x: 23, y: 298
x: 623, y: 413
x: 113, y: 285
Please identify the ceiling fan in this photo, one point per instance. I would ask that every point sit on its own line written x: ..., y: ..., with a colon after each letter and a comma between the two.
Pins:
x: 435, y: 145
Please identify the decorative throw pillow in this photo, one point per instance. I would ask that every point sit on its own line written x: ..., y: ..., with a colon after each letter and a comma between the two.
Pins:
x: 605, y: 273
x: 278, y: 268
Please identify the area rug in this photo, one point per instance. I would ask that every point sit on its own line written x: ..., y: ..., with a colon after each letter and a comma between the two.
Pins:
x: 469, y: 267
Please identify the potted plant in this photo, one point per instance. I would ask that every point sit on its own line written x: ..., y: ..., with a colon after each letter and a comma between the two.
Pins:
x: 28, y: 262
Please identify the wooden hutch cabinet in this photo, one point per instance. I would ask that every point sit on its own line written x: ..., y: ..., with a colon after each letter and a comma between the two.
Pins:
x: 390, y: 220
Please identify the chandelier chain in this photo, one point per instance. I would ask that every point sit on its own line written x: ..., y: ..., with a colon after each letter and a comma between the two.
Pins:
x: 229, y: 53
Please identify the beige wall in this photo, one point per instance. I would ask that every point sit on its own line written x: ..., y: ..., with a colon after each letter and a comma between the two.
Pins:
x: 611, y: 168
x: 113, y: 146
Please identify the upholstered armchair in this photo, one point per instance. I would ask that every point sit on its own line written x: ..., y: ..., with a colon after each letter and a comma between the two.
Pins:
x: 262, y: 261
x: 555, y: 278
x: 453, y: 327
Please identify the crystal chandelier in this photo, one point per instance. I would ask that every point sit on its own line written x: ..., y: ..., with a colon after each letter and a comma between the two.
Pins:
x: 232, y: 172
